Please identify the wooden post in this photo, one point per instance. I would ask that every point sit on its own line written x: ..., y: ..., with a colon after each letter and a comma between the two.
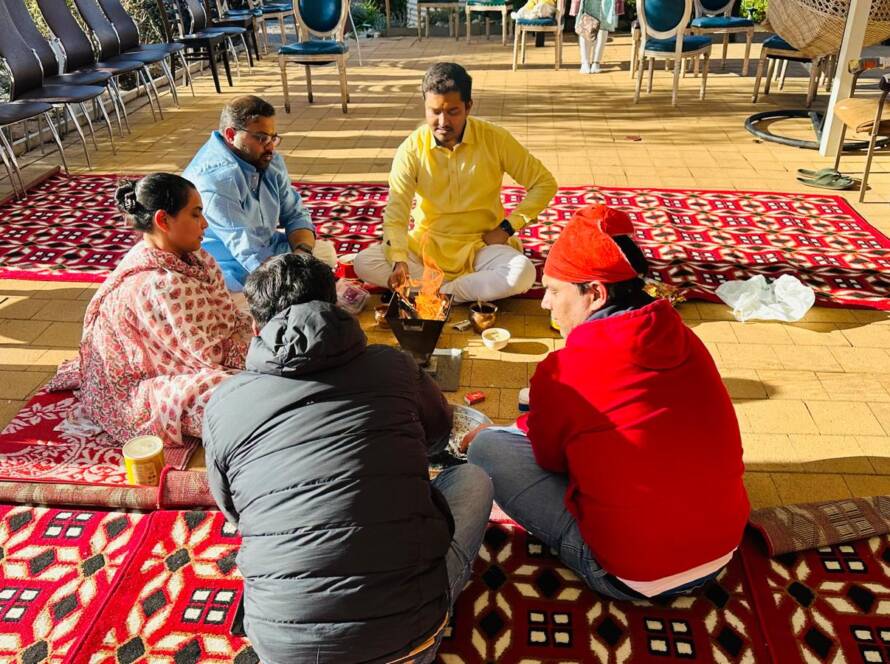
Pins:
x: 851, y: 48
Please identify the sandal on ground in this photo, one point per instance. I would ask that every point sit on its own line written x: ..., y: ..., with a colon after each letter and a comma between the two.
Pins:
x: 828, y: 181
x: 821, y: 171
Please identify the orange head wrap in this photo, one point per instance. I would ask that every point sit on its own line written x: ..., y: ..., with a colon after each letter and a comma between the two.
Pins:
x: 585, y: 250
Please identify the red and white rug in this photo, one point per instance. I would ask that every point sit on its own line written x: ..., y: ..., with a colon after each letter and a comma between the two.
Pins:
x: 91, y: 587
x: 58, y: 568
x: 179, y: 601
x: 41, y: 445
x: 68, y: 228
x: 830, y: 604
x: 46, y: 460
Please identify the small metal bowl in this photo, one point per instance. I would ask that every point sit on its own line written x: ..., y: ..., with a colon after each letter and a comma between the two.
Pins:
x: 380, y: 316
x: 483, y: 315
x: 464, y: 421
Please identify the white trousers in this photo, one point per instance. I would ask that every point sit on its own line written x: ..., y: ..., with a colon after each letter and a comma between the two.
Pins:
x: 500, y: 271
x: 592, y: 51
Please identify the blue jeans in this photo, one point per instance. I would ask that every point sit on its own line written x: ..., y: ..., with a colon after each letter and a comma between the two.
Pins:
x: 535, y: 499
x: 469, y: 493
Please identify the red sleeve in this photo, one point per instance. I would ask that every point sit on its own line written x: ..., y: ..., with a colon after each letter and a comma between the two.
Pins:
x: 547, y: 425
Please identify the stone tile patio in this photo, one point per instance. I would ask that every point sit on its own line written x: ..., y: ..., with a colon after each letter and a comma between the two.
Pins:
x: 813, y: 398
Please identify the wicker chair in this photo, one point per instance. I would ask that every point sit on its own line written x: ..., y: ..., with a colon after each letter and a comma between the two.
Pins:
x: 815, y: 28
x: 864, y: 115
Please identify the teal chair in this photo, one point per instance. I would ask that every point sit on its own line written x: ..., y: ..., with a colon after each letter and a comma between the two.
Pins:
x: 775, y: 49
x: 502, y: 7
x: 714, y: 17
x: 274, y: 11
x: 322, y: 24
x: 663, y: 36
x: 553, y: 24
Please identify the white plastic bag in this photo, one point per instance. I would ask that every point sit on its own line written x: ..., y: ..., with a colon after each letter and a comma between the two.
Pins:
x: 786, y: 299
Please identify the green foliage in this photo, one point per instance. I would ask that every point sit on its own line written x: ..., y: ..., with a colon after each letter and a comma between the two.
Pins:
x: 630, y: 11
x: 754, y: 9
x: 361, y: 8
x: 368, y: 15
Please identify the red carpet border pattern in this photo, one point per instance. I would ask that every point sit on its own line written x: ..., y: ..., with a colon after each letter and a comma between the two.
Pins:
x: 828, y: 605
x: 107, y: 587
x: 67, y: 228
x: 58, y: 567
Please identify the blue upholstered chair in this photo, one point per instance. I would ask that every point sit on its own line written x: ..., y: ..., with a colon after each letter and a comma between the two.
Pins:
x: 714, y: 17
x: 263, y: 12
x: 502, y: 7
x: 663, y: 31
x: 552, y: 24
x: 322, y: 24
x: 775, y: 49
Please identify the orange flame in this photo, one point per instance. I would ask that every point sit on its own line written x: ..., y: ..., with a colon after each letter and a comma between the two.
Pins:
x: 429, y: 301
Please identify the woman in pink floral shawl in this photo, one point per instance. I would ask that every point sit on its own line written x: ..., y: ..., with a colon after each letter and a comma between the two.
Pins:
x: 162, y: 332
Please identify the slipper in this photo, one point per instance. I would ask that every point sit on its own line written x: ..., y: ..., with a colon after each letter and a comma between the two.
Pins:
x: 821, y: 171
x: 828, y: 181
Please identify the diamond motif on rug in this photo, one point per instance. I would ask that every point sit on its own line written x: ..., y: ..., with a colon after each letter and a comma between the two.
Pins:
x: 57, y: 569
x: 179, y: 599
x: 830, y: 604
x: 68, y: 228
x: 522, y: 605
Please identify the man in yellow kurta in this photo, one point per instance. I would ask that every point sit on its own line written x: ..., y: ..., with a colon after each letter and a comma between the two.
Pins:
x: 455, y: 165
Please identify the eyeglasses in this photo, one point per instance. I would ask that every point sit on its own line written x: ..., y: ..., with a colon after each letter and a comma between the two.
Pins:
x: 263, y: 138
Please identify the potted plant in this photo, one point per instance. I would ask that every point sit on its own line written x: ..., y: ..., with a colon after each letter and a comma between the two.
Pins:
x: 754, y: 9
x: 368, y: 17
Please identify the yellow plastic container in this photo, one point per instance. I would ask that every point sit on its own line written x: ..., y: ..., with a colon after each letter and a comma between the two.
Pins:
x: 144, y: 460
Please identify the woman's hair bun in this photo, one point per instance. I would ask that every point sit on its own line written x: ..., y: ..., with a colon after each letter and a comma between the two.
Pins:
x: 126, y: 197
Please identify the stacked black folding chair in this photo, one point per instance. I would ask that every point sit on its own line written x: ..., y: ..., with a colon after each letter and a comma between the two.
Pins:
x: 27, y: 82
x: 122, y: 38
x: 79, y: 53
x: 200, y: 46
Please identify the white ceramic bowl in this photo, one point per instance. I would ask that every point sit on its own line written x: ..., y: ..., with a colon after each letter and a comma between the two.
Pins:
x: 495, y: 338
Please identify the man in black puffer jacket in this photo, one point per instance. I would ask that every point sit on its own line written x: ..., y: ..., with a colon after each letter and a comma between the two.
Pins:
x: 318, y: 454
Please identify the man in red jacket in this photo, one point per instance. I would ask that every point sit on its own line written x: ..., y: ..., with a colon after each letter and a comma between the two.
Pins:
x: 629, y: 463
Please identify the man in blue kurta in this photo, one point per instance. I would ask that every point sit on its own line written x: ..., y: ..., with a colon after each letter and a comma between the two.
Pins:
x: 252, y: 209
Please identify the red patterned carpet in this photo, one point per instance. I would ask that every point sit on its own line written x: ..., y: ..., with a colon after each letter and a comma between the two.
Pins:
x: 86, y: 586
x: 38, y: 445
x: 46, y: 460
x: 524, y: 606
x: 830, y: 604
x: 58, y: 568
x: 68, y: 229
